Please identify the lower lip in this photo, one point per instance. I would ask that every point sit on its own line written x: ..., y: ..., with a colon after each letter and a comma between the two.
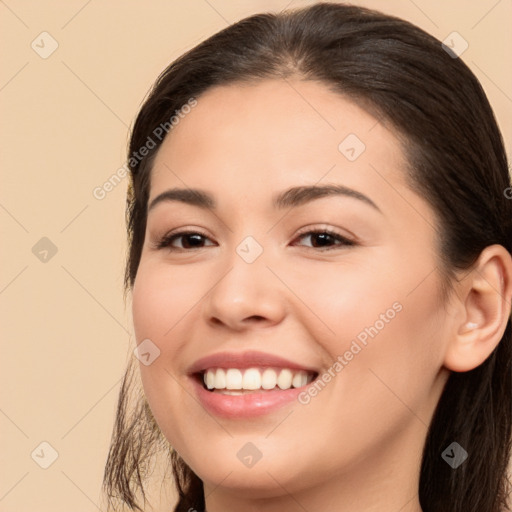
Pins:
x: 248, y: 405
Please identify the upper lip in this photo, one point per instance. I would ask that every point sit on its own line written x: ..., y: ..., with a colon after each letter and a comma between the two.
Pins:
x: 247, y: 359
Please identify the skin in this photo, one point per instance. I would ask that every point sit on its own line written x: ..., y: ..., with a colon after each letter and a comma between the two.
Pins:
x: 357, y: 445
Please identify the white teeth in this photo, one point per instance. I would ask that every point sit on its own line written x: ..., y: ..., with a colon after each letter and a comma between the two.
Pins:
x: 233, y: 379
x: 255, y: 378
x: 269, y: 379
x: 300, y: 379
x: 210, y: 380
x: 220, y: 379
x: 252, y: 379
x: 284, y: 381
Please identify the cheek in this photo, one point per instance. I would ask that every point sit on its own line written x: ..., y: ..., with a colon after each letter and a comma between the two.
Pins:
x: 160, y: 303
x: 400, y: 331
x: 162, y: 296
x: 387, y: 328
x: 160, y: 308
x: 342, y: 300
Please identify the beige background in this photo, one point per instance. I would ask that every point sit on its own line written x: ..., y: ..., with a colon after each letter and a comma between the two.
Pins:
x: 65, y: 119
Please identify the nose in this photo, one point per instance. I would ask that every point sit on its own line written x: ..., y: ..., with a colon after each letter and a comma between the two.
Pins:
x: 247, y: 294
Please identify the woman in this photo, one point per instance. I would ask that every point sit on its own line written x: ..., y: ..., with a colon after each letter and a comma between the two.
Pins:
x: 321, y: 274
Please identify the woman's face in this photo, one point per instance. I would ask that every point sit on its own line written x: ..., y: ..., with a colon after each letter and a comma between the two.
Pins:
x: 362, y: 312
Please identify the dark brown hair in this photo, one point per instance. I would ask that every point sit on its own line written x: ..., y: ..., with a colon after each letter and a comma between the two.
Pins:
x: 457, y: 162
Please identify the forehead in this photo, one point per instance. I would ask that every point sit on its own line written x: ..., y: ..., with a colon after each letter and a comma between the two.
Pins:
x: 273, y: 134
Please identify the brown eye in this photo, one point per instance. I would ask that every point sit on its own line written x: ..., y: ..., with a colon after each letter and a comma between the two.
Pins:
x: 326, y: 239
x: 190, y: 240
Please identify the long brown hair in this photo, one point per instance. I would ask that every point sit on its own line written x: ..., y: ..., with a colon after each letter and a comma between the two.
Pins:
x: 457, y: 162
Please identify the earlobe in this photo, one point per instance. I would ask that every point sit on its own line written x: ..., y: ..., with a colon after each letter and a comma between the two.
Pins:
x: 486, y: 294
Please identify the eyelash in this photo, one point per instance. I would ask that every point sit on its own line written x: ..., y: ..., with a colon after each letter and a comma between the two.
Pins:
x: 165, y: 241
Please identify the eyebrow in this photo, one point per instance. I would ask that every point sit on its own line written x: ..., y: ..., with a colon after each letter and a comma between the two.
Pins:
x: 293, y: 197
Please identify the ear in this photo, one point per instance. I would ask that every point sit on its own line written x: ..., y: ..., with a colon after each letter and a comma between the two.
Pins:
x: 485, y: 296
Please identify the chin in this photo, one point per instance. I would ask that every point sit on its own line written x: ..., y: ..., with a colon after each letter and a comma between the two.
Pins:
x: 264, y: 479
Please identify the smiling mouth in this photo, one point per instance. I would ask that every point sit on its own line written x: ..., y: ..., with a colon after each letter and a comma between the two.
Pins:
x: 235, y: 381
